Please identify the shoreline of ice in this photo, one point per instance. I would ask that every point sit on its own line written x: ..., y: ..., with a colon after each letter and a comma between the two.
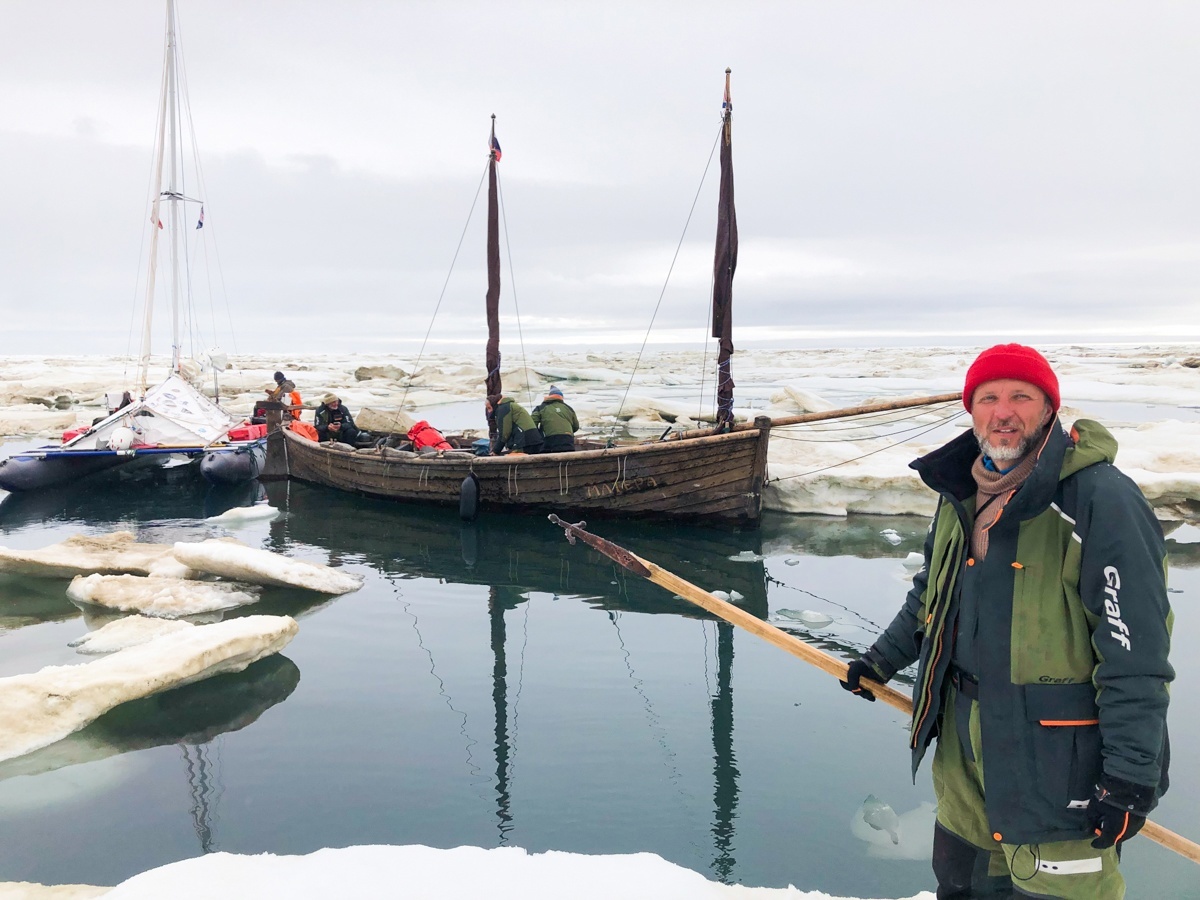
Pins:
x: 1148, y: 395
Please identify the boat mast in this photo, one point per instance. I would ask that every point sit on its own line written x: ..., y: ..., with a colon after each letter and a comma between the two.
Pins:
x: 168, y: 118
x: 173, y: 194
x: 492, y: 361
x: 724, y: 264
x: 155, y: 207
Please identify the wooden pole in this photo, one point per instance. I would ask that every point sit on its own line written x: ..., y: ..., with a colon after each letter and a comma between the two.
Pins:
x: 847, y: 412
x: 885, y: 406
x: 793, y: 645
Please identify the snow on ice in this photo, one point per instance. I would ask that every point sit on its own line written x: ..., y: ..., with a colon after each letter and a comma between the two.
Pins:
x: 461, y: 873
x: 1144, y: 394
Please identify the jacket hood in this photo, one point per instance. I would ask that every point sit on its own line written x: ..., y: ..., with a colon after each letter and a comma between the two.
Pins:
x: 1093, y: 444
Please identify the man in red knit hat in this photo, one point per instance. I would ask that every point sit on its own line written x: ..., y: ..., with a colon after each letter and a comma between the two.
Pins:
x: 1040, y: 628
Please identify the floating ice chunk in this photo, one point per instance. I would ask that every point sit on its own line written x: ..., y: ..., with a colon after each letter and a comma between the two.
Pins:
x: 240, y: 514
x: 129, y: 631
x: 791, y: 561
x: 233, y: 560
x: 913, y: 561
x: 154, y: 595
x: 891, y: 836
x: 806, y: 617
x: 891, y: 536
x: 721, y: 595
x: 747, y: 556
x: 881, y: 817
x: 108, y: 554
x: 46, y: 706
x: 734, y: 597
x: 1185, y: 534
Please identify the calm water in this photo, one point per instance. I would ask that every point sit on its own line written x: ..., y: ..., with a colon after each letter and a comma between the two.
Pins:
x: 492, y: 685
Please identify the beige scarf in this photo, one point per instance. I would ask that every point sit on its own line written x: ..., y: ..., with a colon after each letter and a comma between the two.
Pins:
x: 993, y: 491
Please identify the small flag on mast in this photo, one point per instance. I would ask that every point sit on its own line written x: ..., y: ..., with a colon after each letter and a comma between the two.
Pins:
x: 200, y: 224
x: 495, y: 147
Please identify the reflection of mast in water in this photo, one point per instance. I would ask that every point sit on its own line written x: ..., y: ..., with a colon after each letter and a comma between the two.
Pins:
x: 496, y: 607
x: 725, y: 771
x: 202, y: 792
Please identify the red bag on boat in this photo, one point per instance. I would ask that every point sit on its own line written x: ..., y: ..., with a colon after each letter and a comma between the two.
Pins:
x: 305, y: 431
x: 73, y: 433
x: 247, y: 432
x: 425, y: 435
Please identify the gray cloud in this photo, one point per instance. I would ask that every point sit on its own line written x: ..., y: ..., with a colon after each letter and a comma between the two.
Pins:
x: 900, y: 167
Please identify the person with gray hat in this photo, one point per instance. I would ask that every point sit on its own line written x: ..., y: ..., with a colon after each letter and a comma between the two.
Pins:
x: 334, y: 422
x: 556, y: 421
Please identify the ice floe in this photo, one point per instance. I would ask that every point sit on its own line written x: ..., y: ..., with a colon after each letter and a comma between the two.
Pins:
x: 158, y: 596
x: 108, y: 554
x: 128, y: 631
x: 905, y: 836
x: 46, y: 706
x: 237, y: 561
x: 241, y: 514
x: 806, y: 617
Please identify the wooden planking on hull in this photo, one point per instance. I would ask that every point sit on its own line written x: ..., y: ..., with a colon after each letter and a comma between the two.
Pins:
x: 717, y: 477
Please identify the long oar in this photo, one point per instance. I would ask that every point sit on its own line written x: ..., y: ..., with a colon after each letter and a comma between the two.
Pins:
x: 823, y: 661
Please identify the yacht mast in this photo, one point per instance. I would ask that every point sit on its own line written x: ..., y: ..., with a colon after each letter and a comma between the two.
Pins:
x: 173, y: 194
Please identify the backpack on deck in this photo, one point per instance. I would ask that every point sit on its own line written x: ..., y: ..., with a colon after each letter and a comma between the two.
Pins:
x: 425, y: 435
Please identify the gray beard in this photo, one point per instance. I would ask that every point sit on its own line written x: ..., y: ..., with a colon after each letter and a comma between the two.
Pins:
x: 1009, y: 454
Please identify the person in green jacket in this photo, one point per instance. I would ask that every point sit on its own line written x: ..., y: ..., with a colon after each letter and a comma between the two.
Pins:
x: 515, y: 430
x: 1040, y: 627
x: 556, y: 421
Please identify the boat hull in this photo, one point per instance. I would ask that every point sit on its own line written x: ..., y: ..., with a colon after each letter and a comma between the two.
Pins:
x: 34, y: 472
x: 715, y: 478
x: 234, y: 465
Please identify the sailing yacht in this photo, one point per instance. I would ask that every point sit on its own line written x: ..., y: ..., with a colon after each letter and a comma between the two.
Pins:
x: 172, y: 421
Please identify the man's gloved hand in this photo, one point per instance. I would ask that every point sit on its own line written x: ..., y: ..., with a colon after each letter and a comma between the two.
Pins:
x: 1118, y: 810
x: 857, y: 670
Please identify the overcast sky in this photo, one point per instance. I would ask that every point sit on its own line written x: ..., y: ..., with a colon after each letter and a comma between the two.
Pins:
x: 905, y: 171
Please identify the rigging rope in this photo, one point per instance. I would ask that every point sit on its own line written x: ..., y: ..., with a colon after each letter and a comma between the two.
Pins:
x: 671, y: 269
x: 865, y: 455
x: 868, y: 437
x: 513, y: 281
x: 445, y: 284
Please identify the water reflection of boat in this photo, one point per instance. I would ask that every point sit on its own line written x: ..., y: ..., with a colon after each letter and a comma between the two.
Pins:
x: 509, y: 550
x: 94, y: 502
x: 193, y: 714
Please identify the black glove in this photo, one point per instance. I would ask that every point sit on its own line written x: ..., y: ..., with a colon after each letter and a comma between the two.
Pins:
x: 1118, y: 810
x: 855, y: 671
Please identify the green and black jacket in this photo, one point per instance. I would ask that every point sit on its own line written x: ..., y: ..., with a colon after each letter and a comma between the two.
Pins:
x: 1065, y: 623
x: 554, y: 418
x: 514, y: 428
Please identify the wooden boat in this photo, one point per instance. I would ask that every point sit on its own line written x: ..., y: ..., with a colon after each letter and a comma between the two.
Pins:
x: 709, y: 475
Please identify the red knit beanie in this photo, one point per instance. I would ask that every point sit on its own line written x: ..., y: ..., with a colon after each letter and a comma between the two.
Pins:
x: 1014, y: 361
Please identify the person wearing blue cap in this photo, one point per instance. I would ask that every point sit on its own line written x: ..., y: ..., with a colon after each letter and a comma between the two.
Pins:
x: 557, y: 422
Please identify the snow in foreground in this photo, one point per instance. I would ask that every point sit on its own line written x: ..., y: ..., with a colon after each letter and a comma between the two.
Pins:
x: 464, y: 873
